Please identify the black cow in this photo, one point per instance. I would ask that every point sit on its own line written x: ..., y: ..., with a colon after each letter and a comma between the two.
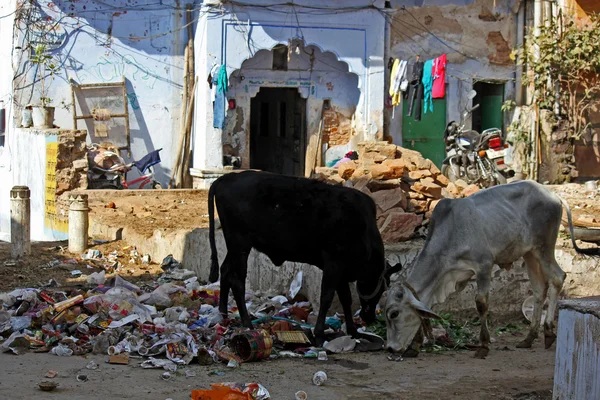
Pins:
x: 300, y: 220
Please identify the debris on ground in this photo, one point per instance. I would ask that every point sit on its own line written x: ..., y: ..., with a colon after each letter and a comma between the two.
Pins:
x: 165, y: 324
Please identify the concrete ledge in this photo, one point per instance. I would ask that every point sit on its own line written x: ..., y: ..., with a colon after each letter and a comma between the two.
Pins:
x: 508, y: 289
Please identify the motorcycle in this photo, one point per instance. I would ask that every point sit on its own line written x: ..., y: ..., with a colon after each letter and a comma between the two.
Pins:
x: 477, y: 158
x: 108, y: 170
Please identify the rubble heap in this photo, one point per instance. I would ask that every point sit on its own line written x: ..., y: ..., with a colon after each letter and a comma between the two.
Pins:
x: 406, y: 186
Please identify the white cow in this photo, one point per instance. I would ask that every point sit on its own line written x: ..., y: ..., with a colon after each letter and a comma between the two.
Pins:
x: 466, y: 238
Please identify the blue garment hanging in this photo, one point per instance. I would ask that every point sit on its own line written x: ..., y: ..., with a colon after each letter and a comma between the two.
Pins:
x: 427, y: 86
x: 220, y: 103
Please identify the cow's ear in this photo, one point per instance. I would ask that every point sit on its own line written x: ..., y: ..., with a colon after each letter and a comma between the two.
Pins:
x: 423, y: 310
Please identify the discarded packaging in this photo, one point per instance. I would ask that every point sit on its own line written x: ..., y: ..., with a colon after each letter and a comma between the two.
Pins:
x: 322, y: 356
x: 82, y: 378
x: 301, y: 395
x: 296, y: 285
x: 232, y: 391
x: 51, y: 374
x: 61, y: 350
x: 48, y: 386
x: 252, y: 345
x: 97, y: 278
x: 92, y: 365
x: 63, y: 305
x: 158, y: 363
x: 292, y: 337
x: 341, y: 345
x: 166, y: 376
x: 119, y: 359
x: 319, y: 378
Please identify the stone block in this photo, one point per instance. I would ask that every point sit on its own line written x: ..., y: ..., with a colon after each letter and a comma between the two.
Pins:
x: 461, y: 185
x: 469, y: 190
x: 415, y: 195
x: 398, y: 166
x: 429, y: 189
x: 387, y: 199
x: 326, y: 171
x: 80, y: 164
x: 380, y: 171
x: 452, y: 190
x: 399, y: 226
x: 442, y: 180
x: 346, y: 169
x: 372, y: 150
x: 419, y: 174
x: 416, y: 206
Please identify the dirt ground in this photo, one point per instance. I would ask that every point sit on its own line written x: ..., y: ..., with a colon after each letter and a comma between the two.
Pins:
x: 51, y: 260
x: 507, y: 373
x: 167, y: 210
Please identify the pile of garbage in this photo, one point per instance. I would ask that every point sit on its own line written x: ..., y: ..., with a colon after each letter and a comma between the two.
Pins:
x: 167, y: 325
x: 405, y: 186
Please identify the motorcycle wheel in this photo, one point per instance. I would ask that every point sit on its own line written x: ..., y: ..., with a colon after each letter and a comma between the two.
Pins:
x: 449, y: 173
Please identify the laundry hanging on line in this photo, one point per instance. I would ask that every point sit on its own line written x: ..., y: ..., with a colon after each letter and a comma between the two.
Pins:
x: 219, y: 85
x: 398, y: 83
x: 427, y: 82
x: 427, y: 85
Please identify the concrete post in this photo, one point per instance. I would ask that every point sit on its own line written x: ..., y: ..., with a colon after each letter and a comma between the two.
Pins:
x: 78, y: 223
x: 20, y: 228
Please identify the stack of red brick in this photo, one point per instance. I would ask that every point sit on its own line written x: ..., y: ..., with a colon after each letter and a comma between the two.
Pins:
x: 405, y: 186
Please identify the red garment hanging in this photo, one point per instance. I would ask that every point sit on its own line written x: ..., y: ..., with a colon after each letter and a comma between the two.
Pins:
x: 438, y: 90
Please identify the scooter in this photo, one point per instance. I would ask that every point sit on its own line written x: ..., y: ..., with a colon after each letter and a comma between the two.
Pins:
x: 113, y: 173
x: 477, y: 158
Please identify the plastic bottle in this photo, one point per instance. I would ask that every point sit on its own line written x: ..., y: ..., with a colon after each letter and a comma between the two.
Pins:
x: 319, y: 378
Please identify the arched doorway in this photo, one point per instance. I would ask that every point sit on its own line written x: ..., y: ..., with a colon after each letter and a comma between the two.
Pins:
x: 278, y: 131
x: 289, y: 101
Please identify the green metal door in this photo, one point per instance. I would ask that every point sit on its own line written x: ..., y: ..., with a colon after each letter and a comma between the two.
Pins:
x: 489, y: 114
x: 491, y: 111
x: 427, y: 135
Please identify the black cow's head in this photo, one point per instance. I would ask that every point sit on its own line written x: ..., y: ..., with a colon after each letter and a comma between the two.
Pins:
x: 370, y: 291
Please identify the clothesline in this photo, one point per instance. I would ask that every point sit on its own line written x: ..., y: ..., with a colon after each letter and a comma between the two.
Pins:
x: 427, y: 82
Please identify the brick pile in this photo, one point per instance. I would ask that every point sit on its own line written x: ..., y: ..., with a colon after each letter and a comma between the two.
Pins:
x: 406, y: 186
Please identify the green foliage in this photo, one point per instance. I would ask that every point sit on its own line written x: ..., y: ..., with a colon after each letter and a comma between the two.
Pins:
x: 508, y: 328
x: 508, y: 105
x: 48, y: 67
x: 379, y: 327
x: 460, y: 336
x: 566, y: 52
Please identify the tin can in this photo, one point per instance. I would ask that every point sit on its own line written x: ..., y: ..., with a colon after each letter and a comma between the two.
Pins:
x: 252, y: 345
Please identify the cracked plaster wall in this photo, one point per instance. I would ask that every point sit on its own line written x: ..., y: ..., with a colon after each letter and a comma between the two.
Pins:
x: 479, y: 35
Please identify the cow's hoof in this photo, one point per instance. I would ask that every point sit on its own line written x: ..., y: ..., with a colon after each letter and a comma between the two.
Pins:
x: 410, y: 353
x: 549, y: 340
x: 525, y: 344
x: 482, y: 353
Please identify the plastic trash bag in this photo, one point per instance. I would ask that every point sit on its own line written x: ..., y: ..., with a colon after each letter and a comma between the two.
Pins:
x: 296, y: 285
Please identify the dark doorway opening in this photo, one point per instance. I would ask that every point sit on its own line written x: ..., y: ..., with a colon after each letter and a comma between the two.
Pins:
x: 278, y: 131
x: 490, y: 97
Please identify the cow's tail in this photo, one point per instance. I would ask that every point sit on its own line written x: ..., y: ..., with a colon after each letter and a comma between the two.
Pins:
x: 589, y: 252
x: 214, y: 256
